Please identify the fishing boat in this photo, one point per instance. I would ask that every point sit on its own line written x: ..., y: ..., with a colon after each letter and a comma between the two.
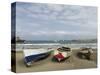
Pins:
x: 62, y: 53
x: 85, y: 53
x: 33, y: 55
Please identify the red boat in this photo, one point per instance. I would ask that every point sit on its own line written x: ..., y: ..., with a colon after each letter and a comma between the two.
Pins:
x: 62, y: 53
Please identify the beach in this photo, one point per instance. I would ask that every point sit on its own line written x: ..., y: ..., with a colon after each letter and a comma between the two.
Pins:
x: 74, y: 62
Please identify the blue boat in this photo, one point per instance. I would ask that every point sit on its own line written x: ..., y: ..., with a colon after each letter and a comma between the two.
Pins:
x: 33, y: 55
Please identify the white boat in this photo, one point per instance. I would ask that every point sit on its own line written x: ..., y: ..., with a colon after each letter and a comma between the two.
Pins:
x: 62, y: 53
x: 32, y: 55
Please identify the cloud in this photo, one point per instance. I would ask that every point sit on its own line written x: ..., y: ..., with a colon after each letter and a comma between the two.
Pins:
x: 61, y: 33
x: 35, y: 19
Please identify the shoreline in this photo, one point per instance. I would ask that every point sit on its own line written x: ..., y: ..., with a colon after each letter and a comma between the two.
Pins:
x: 72, y: 46
x: 73, y: 49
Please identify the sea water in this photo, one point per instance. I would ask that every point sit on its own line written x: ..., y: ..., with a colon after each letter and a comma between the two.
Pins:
x: 20, y: 47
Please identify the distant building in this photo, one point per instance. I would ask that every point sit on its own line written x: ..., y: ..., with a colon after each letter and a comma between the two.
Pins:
x: 19, y: 40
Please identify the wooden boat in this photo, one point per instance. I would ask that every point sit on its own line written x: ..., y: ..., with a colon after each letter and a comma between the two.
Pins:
x: 62, y: 53
x: 85, y: 53
x: 33, y: 55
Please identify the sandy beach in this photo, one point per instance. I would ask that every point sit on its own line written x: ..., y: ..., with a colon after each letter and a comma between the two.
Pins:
x: 74, y: 62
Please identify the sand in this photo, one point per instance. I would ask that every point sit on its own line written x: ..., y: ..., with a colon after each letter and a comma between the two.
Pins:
x: 47, y: 64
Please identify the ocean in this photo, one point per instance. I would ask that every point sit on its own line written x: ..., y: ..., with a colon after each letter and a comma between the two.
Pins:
x: 20, y: 47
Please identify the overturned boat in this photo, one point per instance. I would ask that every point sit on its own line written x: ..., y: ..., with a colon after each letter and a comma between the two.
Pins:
x: 33, y: 55
x: 85, y: 53
x: 62, y: 53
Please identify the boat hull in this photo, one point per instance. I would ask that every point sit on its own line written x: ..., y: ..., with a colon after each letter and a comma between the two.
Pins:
x: 33, y: 57
x: 62, y: 53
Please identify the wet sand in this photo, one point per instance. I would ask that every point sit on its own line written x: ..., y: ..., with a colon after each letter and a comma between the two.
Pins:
x: 47, y: 64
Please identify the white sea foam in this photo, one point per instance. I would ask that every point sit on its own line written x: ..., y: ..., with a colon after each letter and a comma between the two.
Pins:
x: 20, y: 47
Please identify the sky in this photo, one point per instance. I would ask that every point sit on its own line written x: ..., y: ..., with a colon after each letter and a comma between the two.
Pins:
x: 40, y: 21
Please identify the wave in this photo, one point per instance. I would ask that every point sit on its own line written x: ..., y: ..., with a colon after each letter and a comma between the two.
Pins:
x: 54, y: 45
